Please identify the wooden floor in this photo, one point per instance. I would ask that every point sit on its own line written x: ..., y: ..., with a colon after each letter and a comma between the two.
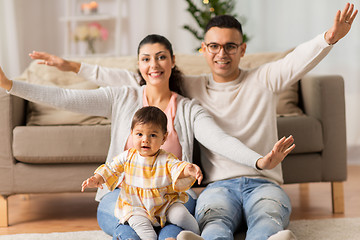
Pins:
x: 45, y: 213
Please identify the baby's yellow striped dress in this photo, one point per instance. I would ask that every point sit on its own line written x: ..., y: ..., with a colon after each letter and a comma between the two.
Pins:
x: 148, y: 185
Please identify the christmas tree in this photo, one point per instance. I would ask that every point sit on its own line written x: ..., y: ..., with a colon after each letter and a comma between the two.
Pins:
x: 203, y: 12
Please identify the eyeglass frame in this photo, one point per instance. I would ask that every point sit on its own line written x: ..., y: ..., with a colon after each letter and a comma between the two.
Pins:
x: 222, y: 46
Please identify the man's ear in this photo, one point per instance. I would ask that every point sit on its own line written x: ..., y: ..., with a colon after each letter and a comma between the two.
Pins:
x: 203, y: 46
x: 243, y: 49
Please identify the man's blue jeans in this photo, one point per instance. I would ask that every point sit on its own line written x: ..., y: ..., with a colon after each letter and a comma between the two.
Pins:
x: 110, y: 224
x: 225, y: 205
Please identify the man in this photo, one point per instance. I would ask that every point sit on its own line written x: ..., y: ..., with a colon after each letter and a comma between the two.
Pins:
x: 243, y: 103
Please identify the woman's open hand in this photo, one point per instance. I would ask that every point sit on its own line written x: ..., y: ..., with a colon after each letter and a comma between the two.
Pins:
x: 5, y: 83
x: 55, y: 61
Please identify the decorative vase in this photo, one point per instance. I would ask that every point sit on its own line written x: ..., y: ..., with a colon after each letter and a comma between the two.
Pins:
x: 86, y: 47
x: 90, y: 48
x: 82, y: 47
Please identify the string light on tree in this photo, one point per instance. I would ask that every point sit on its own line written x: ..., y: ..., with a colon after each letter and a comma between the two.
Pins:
x: 203, y: 11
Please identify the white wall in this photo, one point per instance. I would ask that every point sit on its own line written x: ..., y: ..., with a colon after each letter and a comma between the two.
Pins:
x: 38, y: 27
x: 274, y: 25
x: 165, y: 17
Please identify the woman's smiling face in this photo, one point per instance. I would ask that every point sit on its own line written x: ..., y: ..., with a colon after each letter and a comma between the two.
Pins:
x: 155, y: 64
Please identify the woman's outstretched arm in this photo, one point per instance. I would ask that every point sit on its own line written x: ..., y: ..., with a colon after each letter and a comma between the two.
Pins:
x: 96, y: 102
x: 101, y: 76
x: 55, y: 61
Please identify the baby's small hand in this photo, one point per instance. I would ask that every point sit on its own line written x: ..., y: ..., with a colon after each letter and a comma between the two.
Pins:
x: 195, y: 171
x: 91, y: 182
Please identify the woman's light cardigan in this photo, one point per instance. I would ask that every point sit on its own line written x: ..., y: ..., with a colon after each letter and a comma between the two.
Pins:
x: 120, y: 103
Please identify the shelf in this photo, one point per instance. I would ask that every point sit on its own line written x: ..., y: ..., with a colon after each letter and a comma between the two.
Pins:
x: 107, y: 16
x: 85, y: 18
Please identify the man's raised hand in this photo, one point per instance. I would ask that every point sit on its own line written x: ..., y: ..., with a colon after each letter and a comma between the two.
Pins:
x: 280, y: 150
x: 342, y: 24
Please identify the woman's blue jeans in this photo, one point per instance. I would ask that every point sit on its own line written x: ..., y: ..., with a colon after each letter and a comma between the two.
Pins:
x: 226, y: 205
x: 110, y: 224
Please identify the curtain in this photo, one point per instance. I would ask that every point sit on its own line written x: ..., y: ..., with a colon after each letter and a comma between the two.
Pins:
x: 9, y: 55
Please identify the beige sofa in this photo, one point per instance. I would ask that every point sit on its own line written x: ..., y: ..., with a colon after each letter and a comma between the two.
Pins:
x: 43, y: 150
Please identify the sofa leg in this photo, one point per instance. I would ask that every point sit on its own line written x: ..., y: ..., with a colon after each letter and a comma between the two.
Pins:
x: 337, y: 192
x: 4, y: 219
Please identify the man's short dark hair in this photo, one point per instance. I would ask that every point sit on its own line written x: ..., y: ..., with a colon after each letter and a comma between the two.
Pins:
x: 150, y: 115
x: 224, y: 21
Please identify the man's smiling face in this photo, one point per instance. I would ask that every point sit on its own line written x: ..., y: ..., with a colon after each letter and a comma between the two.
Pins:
x: 224, y: 66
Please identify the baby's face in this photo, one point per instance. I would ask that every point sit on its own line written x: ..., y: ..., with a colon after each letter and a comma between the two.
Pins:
x: 147, y: 139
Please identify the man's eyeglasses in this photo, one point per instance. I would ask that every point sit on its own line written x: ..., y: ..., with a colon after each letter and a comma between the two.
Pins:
x: 229, y: 48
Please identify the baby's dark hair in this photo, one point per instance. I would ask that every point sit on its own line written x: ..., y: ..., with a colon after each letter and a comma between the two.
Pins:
x: 152, y: 115
x: 224, y: 21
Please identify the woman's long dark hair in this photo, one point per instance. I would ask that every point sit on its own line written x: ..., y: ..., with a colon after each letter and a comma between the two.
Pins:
x: 176, y: 77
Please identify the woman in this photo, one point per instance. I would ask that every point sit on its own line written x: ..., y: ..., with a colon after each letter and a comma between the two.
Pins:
x: 187, y: 119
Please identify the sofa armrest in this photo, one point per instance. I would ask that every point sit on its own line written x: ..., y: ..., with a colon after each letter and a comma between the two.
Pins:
x: 12, y: 114
x: 323, y: 98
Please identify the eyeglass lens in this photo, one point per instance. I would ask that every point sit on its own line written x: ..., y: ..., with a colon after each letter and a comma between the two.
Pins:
x: 230, y: 48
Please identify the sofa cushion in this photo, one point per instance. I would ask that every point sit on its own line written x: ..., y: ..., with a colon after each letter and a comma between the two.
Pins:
x: 89, y: 144
x: 307, y: 132
x: 40, y: 115
x: 61, y: 144
x: 43, y: 115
